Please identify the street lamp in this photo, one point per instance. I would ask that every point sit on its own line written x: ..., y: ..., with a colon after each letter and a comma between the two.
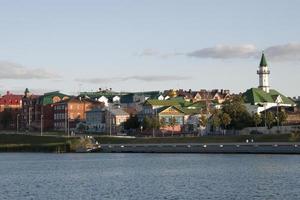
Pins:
x: 42, y: 117
x: 68, y: 125
x: 18, y: 123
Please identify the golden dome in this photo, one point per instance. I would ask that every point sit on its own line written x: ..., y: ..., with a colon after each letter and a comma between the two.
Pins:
x: 172, y: 93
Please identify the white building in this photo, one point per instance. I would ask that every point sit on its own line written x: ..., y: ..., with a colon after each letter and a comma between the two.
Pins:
x: 263, y: 98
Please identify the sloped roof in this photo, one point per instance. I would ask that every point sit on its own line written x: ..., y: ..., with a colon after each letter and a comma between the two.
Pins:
x: 256, y: 95
x: 118, y: 111
x: 180, y: 109
x: 263, y: 61
x: 47, y: 98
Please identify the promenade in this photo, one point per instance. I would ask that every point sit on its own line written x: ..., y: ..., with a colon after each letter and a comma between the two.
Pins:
x: 250, y: 148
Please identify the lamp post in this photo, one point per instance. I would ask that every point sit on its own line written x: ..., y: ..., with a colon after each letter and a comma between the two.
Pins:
x: 42, y: 117
x: 68, y: 125
x: 18, y: 123
x: 277, y: 116
x: 265, y: 115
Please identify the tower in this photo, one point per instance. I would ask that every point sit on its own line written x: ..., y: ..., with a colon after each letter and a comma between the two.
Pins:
x: 263, y: 73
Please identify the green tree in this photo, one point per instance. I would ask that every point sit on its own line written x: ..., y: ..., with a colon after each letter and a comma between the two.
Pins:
x: 81, y: 127
x: 282, y: 117
x: 225, y: 120
x: 235, y: 108
x: 216, y: 120
x: 162, y: 123
x: 257, y: 120
x: 173, y: 123
x: 132, y: 123
x: 155, y: 125
x: 203, y: 121
x: 6, y: 118
x: 270, y: 118
x: 146, y: 123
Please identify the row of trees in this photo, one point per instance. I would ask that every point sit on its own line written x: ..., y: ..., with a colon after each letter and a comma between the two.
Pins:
x: 234, y: 115
x: 149, y: 123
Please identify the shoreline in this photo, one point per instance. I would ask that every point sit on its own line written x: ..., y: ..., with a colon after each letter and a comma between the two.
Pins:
x: 213, y: 148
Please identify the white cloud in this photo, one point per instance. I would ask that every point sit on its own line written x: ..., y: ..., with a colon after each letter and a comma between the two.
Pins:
x: 149, y: 52
x: 128, y: 78
x: 286, y: 52
x: 156, y: 53
x: 225, y: 52
x: 9, y: 70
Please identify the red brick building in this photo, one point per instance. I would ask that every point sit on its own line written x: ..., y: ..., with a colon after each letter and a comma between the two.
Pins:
x: 69, y: 112
x: 38, y: 109
x: 10, y: 106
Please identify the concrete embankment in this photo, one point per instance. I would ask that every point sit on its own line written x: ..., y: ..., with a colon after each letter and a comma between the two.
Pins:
x: 254, y: 148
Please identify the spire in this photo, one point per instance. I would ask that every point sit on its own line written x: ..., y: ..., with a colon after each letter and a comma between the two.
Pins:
x: 263, y: 61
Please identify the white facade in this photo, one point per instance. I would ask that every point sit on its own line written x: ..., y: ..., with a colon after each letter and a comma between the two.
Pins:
x: 263, y: 73
x: 104, y: 100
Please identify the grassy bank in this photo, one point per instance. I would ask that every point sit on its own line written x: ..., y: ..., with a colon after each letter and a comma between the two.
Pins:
x: 203, y: 139
x: 30, y: 143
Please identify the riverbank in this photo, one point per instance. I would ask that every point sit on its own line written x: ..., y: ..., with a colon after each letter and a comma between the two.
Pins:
x: 31, y: 143
x: 201, y: 139
x: 225, y: 148
x: 277, y: 143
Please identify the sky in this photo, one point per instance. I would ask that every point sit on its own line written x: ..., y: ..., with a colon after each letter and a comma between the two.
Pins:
x: 142, y: 45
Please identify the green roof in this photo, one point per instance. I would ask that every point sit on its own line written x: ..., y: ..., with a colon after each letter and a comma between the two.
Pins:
x: 256, y: 95
x: 180, y: 109
x: 47, y: 98
x: 178, y: 101
x: 263, y: 61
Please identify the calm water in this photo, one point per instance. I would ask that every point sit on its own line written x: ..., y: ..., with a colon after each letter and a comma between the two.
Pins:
x: 148, y: 176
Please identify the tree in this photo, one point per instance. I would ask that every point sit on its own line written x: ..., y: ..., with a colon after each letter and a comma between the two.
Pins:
x: 282, y: 117
x: 225, y: 120
x: 235, y: 108
x: 155, y: 125
x: 146, y: 123
x: 256, y: 119
x: 203, y: 121
x: 132, y: 123
x: 173, y: 123
x: 162, y: 123
x: 216, y: 120
x: 6, y: 118
x: 81, y: 127
x: 270, y: 118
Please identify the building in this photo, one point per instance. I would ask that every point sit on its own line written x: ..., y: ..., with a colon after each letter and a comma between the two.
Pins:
x: 10, y: 108
x: 115, y: 117
x: 37, y: 110
x: 29, y: 109
x: 95, y: 120
x: 10, y: 101
x: 176, y: 109
x: 264, y: 98
x: 69, y: 112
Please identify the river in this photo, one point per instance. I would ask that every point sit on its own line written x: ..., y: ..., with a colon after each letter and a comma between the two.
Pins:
x: 148, y: 176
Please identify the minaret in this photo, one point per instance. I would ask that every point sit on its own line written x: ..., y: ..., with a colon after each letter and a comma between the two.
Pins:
x: 263, y: 73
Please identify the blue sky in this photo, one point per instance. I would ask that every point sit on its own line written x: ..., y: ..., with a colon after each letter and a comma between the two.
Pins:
x: 147, y: 45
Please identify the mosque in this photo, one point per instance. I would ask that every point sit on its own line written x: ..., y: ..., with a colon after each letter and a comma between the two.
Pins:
x: 264, y: 98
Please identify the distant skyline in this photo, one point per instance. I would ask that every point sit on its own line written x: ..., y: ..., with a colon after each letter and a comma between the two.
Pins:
x: 140, y: 45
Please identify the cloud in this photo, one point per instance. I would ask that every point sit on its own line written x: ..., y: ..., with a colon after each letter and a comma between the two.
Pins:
x: 10, y: 70
x: 286, y: 52
x: 149, y: 52
x: 283, y: 53
x: 139, y: 78
x: 156, y: 53
x: 225, y: 52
